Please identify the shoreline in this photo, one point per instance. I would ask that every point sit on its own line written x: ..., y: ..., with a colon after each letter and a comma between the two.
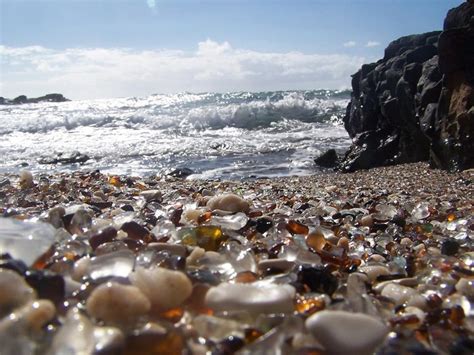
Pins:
x: 394, y: 243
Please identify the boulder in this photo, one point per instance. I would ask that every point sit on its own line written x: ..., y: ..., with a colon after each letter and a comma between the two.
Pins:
x: 328, y: 159
x: 388, y: 99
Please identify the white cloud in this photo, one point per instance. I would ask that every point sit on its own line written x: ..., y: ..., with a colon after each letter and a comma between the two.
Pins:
x: 350, y: 44
x: 113, y: 72
x: 372, y: 44
x: 151, y: 3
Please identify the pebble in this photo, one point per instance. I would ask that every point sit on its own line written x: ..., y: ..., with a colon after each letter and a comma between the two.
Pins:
x: 299, y: 251
x: 26, y: 179
x: 341, y: 332
x: 374, y: 271
x: 397, y: 293
x: 151, y: 195
x: 415, y: 311
x: 174, y: 249
x: 117, y: 304
x: 114, y: 264
x: 25, y: 241
x: 466, y: 287
x: 367, y: 221
x: 31, y: 318
x: 278, y: 264
x: 252, y: 298
x: 166, y: 289
x: 449, y: 247
x: 15, y: 292
x: 195, y: 255
x: 228, y: 203
x: 78, y: 335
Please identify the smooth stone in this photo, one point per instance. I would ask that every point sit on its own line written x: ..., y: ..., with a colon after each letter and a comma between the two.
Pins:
x: 26, y: 241
x: 374, y: 271
x: 78, y: 335
x: 166, y: 289
x: 31, y: 318
x: 108, y: 340
x: 191, y: 215
x: 26, y: 179
x: 15, y: 292
x: 55, y: 216
x: 216, y: 328
x: 115, y: 264
x: 151, y: 195
x: 252, y: 298
x: 278, y: 264
x: 466, y: 287
x: 408, y: 281
x: 81, y: 268
x: 412, y: 310
x: 229, y: 203
x: 75, y: 336
x: 367, y: 221
x: 117, y: 304
x: 341, y: 332
x: 417, y: 301
x: 20, y: 329
x: 174, y: 249
x: 397, y: 293
x: 232, y: 222
x: 196, y: 254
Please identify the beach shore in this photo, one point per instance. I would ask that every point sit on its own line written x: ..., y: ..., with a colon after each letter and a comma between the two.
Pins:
x: 285, y: 264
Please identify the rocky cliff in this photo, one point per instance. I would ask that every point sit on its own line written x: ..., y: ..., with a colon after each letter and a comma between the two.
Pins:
x: 416, y: 103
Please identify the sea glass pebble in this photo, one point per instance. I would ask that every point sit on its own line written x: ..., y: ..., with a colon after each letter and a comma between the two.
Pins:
x: 252, y: 298
x: 25, y: 240
x: 342, y: 332
x: 164, y: 288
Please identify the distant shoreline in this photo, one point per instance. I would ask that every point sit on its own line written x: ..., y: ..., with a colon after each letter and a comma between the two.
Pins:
x: 23, y: 99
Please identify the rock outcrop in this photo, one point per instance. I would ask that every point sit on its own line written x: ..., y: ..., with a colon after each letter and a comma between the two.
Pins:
x: 22, y: 99
x: 417, y: 102
x: 452, y: 136
x: 387, y: 100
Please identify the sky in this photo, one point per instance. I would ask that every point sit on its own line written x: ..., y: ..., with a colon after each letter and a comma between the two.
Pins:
x: 117, y: 48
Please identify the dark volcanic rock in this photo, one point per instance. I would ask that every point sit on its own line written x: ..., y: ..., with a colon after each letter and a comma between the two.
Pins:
x: 181, y: 172
x: 452, y: 136
x: 328, y: 159
x: 417, y: 103
x: 22, y: 99
x: 61, y: 158
x: 388, y: 99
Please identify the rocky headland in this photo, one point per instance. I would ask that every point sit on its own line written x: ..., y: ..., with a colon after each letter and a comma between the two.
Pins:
x: 416, y: 104
x: 22, y: 99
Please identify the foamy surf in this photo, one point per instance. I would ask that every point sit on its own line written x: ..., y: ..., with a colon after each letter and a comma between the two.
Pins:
x: 231, y: 135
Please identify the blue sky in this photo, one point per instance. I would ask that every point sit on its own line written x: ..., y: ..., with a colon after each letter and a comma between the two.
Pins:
x: 92, y: 48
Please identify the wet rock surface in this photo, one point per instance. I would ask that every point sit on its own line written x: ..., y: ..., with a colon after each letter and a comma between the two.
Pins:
x: 62, y: 158
x: 366, y: 262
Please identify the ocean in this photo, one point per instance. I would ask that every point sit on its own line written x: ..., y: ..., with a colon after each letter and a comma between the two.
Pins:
x: 216, y: 135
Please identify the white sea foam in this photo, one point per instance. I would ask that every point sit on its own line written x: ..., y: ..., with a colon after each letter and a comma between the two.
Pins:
x: 217, y: 135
